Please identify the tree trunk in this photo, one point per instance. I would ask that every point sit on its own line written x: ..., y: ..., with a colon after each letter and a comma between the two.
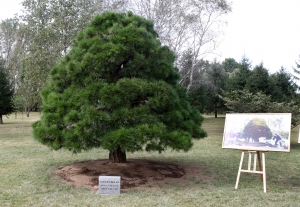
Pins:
x: 191, y: 77
x: 215, y: 103
x: 216, y: 110
x: 117, y: 156
x: 28, y: 110
x: 1, y: 121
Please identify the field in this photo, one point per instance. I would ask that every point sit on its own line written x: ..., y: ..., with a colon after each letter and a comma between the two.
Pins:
x: 26, y: 173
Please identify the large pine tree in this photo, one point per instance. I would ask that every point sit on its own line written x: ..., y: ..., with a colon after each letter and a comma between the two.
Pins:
x: 6, y: 92
x: 117, y: 88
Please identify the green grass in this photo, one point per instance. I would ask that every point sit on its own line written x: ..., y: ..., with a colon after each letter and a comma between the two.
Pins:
x: 26, y: 174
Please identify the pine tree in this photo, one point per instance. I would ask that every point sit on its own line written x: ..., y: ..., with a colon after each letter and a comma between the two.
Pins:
x: 296, y: 74
x: 258, y: 80
x: 117, y: 88
x: 6, y: 92
x: 283, y: 86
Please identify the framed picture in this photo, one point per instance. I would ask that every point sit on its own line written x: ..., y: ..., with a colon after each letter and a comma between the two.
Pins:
x: 259, y: 132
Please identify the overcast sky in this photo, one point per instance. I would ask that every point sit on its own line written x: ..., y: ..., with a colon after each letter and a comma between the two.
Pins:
x: 265, y: 31
x: 8, y: 8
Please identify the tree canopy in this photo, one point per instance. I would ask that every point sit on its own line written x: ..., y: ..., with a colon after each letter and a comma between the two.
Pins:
x: 117, y: 88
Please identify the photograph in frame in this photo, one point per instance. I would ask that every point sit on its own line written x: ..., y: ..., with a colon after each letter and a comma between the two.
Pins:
x: 258, y: 131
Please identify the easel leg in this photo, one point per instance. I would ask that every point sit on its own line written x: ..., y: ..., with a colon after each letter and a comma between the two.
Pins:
x: 264, y: 172
x: 254, y: 164
x: 259, y: 163
x: 239, y: 172
x: 262, y: 168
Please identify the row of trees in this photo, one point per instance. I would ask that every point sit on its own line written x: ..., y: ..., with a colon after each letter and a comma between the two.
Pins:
x: 239, y: 87
x: 33, y: 42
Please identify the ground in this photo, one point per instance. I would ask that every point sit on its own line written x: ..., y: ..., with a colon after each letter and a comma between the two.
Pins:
x: 135, y: 173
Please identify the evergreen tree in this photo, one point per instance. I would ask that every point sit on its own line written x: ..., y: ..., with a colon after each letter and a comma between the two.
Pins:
x: 6, y: 92
x: 239, y: 77
x: 296, y: 70
x: 229, y: 64
x: 258, y: 80
x: 216, y: 77
x: 201, y: 99
x: 283, y: 87
x: 117, y: 88
x: 243, y: 101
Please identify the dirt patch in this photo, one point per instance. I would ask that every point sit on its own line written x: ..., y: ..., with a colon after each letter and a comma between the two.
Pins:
x: 134, y: 173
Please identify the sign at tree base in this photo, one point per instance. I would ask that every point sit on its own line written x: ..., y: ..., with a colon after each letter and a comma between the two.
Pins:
x: 109, y: 185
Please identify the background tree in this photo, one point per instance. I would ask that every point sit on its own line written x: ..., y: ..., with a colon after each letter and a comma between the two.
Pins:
x: 8, y: 47
x: 6, y: 92
x: 200, y: 99
x: 117, y: 88
x: 284, y: 89
x: 243, y: 101
x: 258, y: 80
x: 296, y: 70
x: 199, y: 92
x: 48, y: 27
x: 229, y: 64
x: 215, y: 81
x: 239, y: 77
x: 209, y: 80
x: 185, y: 62
x: 8, y: 37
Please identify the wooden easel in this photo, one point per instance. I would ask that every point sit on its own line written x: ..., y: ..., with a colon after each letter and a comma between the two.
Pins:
x: 262, y: 167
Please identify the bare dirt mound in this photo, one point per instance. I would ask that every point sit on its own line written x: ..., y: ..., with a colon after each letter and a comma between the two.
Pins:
x: 134, y: 173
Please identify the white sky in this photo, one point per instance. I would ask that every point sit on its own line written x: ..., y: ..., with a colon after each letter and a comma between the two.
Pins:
x: 264, y: 30
x: 8, y: 8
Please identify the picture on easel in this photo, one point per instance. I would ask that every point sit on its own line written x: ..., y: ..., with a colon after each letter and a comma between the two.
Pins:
x: 262, y: 132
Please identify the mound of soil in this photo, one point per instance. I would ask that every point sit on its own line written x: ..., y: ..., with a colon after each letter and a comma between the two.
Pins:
x: 134, y: 173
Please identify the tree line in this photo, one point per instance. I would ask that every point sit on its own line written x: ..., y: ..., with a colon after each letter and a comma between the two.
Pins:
x: 239, y: 87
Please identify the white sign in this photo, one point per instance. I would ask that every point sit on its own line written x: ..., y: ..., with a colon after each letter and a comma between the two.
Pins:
x: 109, y: 185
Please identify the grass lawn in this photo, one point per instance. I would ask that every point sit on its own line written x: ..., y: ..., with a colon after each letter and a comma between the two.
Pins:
x: 26, y: 168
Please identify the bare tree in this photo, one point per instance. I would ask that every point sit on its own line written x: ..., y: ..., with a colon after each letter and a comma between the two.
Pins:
x: 8, y: 39
x: 206, y: 26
